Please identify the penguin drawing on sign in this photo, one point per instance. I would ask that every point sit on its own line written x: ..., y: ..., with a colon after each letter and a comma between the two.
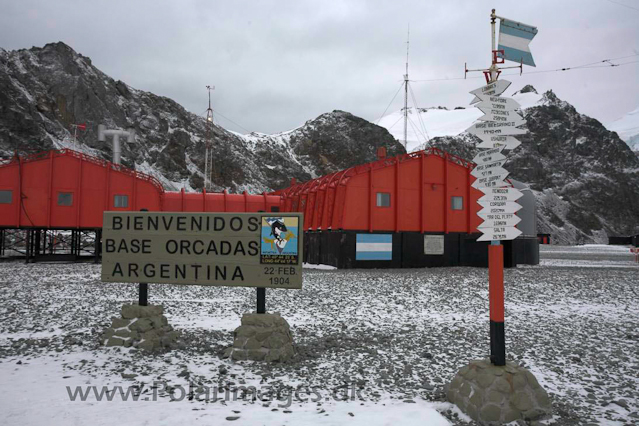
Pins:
x: 278, y: 230
x: 280, y: 234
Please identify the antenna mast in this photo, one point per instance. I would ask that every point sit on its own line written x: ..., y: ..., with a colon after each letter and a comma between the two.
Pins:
x: 406, y: 93
x: 208, y: 156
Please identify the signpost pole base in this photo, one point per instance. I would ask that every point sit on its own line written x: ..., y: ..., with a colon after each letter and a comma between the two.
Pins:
x: 496, y: 297
x: 261, y: 300
x: 143, y: 294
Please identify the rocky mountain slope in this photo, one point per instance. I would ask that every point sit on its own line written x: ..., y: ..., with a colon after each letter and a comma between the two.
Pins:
x: 45, y: 90
x: 585, y: 177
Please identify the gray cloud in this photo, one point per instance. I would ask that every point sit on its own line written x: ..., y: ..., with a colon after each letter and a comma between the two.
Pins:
x: 276, y: 64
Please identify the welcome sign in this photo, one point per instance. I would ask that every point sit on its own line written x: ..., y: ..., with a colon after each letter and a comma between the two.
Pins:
x: 224, y: 249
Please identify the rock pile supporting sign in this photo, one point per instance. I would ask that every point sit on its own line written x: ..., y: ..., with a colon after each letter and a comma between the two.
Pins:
x: 229, y: 249
x: 496, y: 129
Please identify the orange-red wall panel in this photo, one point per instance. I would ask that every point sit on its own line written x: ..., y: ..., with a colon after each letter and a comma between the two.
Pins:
x: 9, y: 181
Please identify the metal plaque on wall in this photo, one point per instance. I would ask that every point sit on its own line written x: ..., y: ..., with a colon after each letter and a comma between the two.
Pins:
x: 434, y: 244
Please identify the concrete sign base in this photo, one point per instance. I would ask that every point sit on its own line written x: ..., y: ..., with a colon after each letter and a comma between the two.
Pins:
x: 143, y: 327
x: 494, y: 395
x: 262, y: 337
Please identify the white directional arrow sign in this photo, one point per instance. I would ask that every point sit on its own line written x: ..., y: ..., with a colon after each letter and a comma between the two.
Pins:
x: 496, y: 88
x: 502, y: 206
x: 493, y: 223
x: 500, y: 194
x: 502, y: 233
x: 497, y: 216
x: 514, y: 119
x: 497, y: 102
x: 487, y: 170
x: 505, y: 142
x: 486, y: 129
x: 495, y: 181
x: 489, y: 156
x: 506, y: 114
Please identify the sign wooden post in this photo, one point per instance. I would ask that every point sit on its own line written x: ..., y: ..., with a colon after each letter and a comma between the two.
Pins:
x: 143, y: 288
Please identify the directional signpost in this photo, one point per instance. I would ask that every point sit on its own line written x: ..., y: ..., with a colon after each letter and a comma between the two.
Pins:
x: 496, y: 129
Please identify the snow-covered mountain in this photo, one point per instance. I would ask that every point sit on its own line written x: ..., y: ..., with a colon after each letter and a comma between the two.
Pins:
x: 627, y: 127
x: 585, y: 178
x: 45, y: 90
x: 428, y: 123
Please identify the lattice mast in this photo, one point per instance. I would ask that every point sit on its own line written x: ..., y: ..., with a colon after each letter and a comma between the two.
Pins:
x: 208, y: 156
x: 406, y: 93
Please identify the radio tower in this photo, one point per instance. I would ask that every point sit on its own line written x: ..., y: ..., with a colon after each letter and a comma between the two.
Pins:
x: 208, y: 156
x: 406, y: 93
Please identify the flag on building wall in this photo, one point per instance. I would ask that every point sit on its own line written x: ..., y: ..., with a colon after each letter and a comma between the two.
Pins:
x: 514, y: 38
x: 374, y: 247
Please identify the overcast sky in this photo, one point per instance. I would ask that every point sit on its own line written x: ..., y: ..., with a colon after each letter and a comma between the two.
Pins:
x: 277, y: 64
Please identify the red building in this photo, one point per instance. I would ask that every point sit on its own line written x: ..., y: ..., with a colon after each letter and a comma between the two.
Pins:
x: 416, y: 209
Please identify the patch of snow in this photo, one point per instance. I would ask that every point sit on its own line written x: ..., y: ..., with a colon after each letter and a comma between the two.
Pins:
x: 627, y: 127
x: 319, y: 266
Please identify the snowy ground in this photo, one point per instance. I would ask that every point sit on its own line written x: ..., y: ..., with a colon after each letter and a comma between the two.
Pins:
x: 387, y: 340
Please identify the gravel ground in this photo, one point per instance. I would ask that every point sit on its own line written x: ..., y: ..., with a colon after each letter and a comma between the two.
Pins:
x: 394, y: 337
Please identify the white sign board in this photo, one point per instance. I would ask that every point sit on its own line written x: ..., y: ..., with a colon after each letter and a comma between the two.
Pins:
x: 510, y: 208
x: 500, y: 194
x: 503, y: 113
x: 494, y: 223
x: 490, y: 182
x: 485, y: 129
x: 434, y: 244
x: 480, y: 170
x: 501, y: 233
x: 514, y: 120
x: 486, y: 170
x: 506, y: 142
x: 510, y: 205
x: 489, y: 156
x: 497, y: 216
x: 495, y: 88
x: 497, y: 102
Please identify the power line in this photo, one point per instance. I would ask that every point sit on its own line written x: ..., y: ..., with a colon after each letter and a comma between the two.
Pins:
x: 238, y: 125
x: 621, y: 4
x: 584, y: 66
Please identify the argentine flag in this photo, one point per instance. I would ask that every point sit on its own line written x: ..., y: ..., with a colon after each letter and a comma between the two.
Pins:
x: 514, y: 38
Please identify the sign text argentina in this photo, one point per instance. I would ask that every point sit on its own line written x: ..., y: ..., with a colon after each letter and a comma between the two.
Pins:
x: 222, y: 249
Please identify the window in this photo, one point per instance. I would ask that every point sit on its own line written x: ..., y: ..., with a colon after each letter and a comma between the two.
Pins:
x: 457, y: 203
x: 383, y: 199
x: 65, y: 198
x: 6, y: 197
x: 121, y: 201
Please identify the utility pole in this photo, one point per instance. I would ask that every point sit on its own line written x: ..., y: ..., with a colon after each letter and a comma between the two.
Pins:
x: 208, y: 157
